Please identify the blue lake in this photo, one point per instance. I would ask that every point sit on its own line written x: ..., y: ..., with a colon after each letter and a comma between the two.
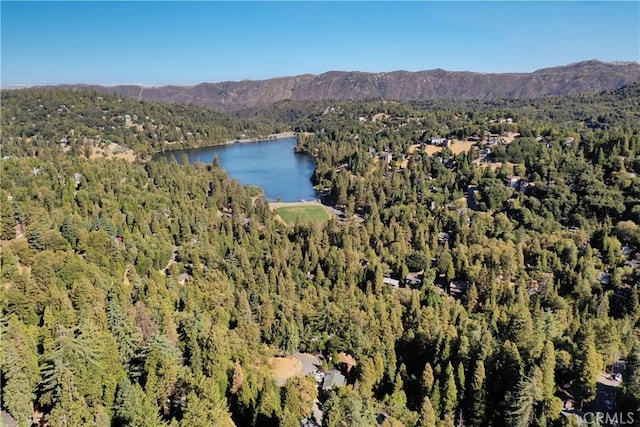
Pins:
x: 271, y: 165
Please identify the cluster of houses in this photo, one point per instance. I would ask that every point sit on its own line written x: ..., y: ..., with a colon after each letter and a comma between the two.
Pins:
x: 331, y: 379
x: 337, y: 376
x: 631, y: 262
x: 486, y: 139
x: 518, y: 183
x: 501, y: 120
x: 440, y: 142
x: 455, y: 288
x: 623, y: 291
x: 414, y: 280
x: 386, y: 155
x: 77, y: 177
x: 327, y: 381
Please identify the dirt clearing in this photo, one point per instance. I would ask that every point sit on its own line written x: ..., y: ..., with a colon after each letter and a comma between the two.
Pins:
x: 283, y: 368
x: 458, y: 146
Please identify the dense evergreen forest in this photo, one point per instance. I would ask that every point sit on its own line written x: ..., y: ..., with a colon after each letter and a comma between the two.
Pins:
x: 146, y: 293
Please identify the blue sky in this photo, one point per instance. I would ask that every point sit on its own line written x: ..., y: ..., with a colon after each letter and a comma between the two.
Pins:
x: 155, y: 43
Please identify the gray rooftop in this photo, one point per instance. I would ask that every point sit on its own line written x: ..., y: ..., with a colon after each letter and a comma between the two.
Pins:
x: 332, y: 379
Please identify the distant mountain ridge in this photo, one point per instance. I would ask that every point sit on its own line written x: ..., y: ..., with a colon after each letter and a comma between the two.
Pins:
x: 581, y: 77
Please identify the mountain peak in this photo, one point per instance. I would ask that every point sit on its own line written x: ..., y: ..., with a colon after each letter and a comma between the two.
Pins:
x: 580, y: 77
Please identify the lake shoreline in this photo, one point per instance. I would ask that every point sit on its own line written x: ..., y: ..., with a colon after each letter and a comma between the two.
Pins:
x: 272, y: 165
x: 270, y: 137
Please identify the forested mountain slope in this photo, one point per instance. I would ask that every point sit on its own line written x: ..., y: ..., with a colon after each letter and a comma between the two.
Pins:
x: 142, y: 293
x: 80, y: 123
x: 582, y: 77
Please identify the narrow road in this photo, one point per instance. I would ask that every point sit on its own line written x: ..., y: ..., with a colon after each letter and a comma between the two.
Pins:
x: 174, y: 254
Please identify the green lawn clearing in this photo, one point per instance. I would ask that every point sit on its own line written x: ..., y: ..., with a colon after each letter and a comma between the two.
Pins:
x: 303, y: 214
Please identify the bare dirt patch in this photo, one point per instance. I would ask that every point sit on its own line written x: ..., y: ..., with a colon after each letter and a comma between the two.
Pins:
x: 283, y: 368
x: 413, y: 148
x: 98, y: 153
x: 432, y: 149
x: 380, y: 116
x: 491, y: 165
x: 458, y: 146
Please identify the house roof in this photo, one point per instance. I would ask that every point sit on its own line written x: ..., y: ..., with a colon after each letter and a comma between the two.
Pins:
x: 390, y: 281
x: 347, y: 359
x: 634, y: 263
x: 458, y: 287
x: 8, y: 420
x: 332, y: 379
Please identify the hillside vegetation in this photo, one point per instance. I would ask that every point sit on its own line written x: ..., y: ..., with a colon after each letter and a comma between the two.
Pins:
x: 581, y: 77
x: 147, y: 293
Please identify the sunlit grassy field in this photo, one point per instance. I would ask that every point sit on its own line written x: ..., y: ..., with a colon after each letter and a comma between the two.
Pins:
x: 303, y: 214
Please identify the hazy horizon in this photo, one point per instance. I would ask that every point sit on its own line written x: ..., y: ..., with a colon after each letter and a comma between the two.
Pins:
x: 29, y: 85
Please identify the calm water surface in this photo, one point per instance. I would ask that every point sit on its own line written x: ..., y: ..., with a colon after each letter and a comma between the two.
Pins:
x: 271, y: 165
